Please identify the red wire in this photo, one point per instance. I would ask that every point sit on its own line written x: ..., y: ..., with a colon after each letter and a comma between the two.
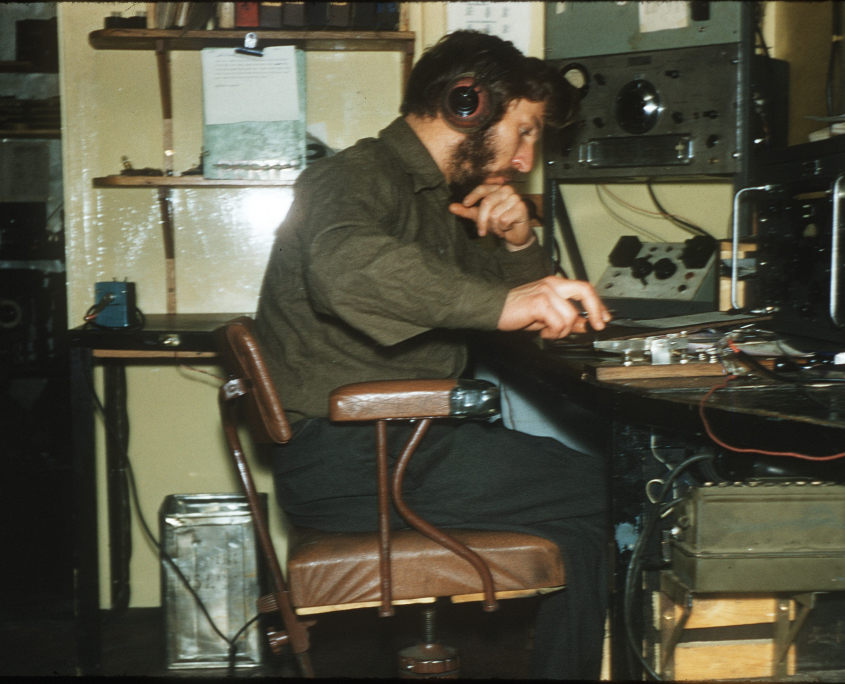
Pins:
x: 724, y: 445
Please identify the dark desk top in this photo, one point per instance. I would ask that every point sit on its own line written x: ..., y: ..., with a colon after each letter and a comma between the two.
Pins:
x: 812, y: 417
x: 163, y: 335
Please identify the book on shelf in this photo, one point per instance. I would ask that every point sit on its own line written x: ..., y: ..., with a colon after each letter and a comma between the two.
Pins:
x: 246, y: 14
x: 200, y: 16
x: 293, y: 15
x: 316, y: 15
x: 364, y: 15
x: 270, y: 15
x: 225, y: 15
x: 151, y: 15
x: 387, y: 16
x: 340, y: 14
x: 181, y: 14
x: 165, y: 14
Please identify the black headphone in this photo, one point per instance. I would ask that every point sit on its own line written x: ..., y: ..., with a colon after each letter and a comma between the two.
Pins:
x: 468, y: 105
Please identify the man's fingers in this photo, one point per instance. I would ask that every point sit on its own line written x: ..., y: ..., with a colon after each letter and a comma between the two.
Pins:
x: 464, y: 212
x: 584, y: 293
x: 504, y: 214
x: 597, y: 313
x: 480, y: 192
x: 548, y: 306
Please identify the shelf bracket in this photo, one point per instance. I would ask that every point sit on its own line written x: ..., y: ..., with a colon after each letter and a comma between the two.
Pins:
x: 163, y: 62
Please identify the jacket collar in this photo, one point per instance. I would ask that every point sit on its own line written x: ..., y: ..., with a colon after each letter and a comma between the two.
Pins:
x: 412, y: 155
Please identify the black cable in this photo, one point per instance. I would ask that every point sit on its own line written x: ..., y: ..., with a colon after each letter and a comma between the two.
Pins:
x: 231, y: 642
x: 759, y: 32
x: 681, y: 223
x: 140, y: 321
x: 759, y: 9
x: 774, y: 375
x: 233, y: 645
x: 806, y: 381
x: 634, y: 565
x: 557, y: 258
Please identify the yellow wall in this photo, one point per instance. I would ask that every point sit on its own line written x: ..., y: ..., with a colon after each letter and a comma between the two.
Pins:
x: 111, y: 108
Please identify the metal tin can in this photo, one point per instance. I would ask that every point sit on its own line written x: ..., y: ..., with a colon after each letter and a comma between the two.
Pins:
x: 211, y: 539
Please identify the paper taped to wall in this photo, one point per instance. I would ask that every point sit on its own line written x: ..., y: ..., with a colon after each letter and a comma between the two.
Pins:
x: 240, y: 87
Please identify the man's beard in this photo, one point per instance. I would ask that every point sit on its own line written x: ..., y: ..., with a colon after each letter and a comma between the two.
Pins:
x: 470, y: 163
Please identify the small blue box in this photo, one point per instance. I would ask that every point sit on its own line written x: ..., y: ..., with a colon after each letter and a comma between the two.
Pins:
x: 120, y: 312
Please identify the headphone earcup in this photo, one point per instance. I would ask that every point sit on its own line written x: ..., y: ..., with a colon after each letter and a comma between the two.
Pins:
x: 468, y: 104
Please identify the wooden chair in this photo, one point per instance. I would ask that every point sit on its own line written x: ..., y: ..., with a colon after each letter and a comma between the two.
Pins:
x: 330, y: 571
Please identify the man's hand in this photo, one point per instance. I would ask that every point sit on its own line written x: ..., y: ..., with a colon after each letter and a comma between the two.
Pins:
x: 500, y: 211
x: 545, y: 305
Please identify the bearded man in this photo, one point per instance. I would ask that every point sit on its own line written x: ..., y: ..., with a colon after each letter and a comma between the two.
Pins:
x: 374, y: 276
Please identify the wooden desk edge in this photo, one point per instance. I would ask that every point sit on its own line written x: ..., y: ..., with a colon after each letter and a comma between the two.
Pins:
x: 151, y: 354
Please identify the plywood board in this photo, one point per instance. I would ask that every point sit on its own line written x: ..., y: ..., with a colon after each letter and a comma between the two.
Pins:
x: 711, y: 660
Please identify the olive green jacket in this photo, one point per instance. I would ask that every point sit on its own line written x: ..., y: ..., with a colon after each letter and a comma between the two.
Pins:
x: 372, y: 278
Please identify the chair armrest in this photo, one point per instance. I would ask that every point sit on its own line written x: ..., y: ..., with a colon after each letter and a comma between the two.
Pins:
x: 414, y: 399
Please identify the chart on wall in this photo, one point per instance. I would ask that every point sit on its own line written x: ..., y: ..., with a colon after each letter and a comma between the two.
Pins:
x: 508, y: 20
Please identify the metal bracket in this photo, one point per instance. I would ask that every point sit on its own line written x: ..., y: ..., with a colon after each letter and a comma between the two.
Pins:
x: 658, y: 349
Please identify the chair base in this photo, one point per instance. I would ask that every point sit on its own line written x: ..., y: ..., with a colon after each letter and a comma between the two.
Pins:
x: 429, y: 661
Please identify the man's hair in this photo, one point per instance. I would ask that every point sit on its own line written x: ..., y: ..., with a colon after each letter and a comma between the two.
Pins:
x: 498, y: 65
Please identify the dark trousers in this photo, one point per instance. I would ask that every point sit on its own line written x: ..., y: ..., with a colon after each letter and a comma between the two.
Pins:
x: 477, y: 476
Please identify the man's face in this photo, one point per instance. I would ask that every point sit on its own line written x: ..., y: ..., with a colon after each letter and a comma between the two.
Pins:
x: 496, y: 154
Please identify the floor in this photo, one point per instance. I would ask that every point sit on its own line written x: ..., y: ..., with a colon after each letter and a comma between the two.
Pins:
x: 351, y: 644
x: 346, y: 644
x: 36, y: 580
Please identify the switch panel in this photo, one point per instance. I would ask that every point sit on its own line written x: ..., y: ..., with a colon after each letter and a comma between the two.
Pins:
x: 662, y: 279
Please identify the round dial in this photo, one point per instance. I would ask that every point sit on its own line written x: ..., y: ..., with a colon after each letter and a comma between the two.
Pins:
x: 637, y: 106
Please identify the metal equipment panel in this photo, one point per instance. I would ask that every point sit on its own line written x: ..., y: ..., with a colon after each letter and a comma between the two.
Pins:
x: 762, y: 536
x: 583, y: 29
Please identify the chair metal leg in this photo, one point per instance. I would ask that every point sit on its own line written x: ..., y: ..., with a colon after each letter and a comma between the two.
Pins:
x: 429, y: 659
x: 304, y: 662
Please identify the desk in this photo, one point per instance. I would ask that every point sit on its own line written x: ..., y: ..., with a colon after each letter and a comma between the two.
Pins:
x: 760, y: 414
x: 165, y: 338
x: 755, y: 413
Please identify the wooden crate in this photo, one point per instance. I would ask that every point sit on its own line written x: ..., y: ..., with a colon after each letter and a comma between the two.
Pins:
x: 722, y: 659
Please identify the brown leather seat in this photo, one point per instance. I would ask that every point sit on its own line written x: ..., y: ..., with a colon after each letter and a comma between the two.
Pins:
x: 337, y: 571
x: 334, y: 568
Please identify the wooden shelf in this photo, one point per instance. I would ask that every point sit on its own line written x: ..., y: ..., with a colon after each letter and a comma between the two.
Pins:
x: 183, y: 182
x: 162, y: 42
x: 32, y: 133
x: 145, y: 39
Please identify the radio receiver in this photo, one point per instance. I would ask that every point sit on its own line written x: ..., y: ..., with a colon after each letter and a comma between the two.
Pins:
x: 664, y: 113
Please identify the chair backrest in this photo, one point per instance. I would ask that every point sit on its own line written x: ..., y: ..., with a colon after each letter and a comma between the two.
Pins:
x: 241, y: 357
